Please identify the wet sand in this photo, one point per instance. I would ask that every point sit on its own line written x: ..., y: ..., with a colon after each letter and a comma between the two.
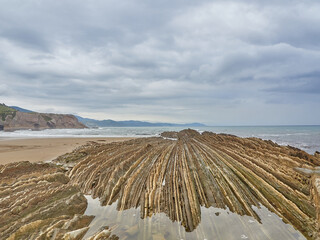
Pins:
x: 43, y: 149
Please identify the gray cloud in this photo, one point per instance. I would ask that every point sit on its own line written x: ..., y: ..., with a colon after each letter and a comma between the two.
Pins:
x: 218, y: 62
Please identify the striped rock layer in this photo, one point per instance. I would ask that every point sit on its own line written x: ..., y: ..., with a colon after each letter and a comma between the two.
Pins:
x: 182, y: 171
x: 36, y: 202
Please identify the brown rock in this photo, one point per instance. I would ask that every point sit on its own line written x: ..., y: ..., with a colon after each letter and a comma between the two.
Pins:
x: 316, y: 198
x: 37, y: 202
x: 104, y: 234
x: 39, y: 121
x: 219, y: 170
x: 76, y: 234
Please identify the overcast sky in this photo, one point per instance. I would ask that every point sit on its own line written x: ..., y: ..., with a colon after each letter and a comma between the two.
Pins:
x: 215, y: 62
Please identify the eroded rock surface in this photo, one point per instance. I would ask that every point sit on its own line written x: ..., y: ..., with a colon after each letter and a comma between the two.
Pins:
x: 36, y: 202
x: 104, y: 234
x: 219, y: 170
x: 11, y: 120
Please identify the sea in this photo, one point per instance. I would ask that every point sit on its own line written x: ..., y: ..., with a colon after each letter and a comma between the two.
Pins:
x: 306, y: 138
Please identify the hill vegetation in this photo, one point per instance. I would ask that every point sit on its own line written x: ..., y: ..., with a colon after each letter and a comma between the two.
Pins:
x: 6, y: 111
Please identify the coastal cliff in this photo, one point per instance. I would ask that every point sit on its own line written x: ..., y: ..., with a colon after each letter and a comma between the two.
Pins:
x: 11, y: 119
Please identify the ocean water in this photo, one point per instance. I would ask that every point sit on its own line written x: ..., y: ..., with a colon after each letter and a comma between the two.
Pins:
x: 215, y: 224
x: 306, y: 138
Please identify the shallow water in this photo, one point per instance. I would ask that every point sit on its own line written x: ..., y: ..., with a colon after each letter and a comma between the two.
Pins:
x: 215, y: 224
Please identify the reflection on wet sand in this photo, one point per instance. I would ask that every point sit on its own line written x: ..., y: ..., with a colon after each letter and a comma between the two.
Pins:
x: 215, y: 224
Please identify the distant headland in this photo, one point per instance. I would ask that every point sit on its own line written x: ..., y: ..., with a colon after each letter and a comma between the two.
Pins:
x: 132, y: 123
x: 17, y: 118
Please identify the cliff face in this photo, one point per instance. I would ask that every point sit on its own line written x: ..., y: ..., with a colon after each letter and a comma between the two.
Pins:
x: 38, y: 121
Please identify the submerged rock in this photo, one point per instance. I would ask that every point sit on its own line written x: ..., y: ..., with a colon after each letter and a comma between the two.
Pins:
x: 219, y: 170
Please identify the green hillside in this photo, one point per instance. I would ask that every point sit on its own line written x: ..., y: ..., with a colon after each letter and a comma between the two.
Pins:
x: 5, y: 111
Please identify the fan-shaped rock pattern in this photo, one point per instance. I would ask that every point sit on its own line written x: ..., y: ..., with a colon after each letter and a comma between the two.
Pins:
x: 178, y: 176
x: 36, y: 202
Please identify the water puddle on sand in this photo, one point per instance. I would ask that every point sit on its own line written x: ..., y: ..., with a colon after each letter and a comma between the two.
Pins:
x: 215, y: 223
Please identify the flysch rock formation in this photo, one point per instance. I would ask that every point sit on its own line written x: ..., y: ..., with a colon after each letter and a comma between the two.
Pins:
x: 176, y: 177
x: 175, y: 174
x: 36, y: 202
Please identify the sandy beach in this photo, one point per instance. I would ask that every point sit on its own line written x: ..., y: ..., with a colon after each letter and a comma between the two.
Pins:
x: 43, y: 149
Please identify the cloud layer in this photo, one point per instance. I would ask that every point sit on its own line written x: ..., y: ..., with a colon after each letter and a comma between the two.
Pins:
x: 217, y: 62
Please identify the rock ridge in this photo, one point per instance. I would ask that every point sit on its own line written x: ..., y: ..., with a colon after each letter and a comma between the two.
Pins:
x: 179, y: 176
x: 36, y: 202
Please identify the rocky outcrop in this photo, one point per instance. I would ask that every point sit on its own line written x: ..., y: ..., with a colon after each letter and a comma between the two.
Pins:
x: 104, y: 234
x: 175, y: 174
x: 36, y: 202
x: 38, y: 121
x: 316, y: 199
x: 178, y: 176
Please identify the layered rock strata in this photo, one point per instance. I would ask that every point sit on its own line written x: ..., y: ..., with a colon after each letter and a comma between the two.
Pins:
x: 38, y: 121
x: 178, y: 176
x: 316, y: 198
x: 39, y: 201
x: 36, y: 202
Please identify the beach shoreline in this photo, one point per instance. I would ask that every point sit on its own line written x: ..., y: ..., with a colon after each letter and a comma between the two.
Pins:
x: 44, y: 149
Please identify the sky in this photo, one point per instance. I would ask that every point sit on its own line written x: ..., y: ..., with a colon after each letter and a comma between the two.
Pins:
x: 214, y: 62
